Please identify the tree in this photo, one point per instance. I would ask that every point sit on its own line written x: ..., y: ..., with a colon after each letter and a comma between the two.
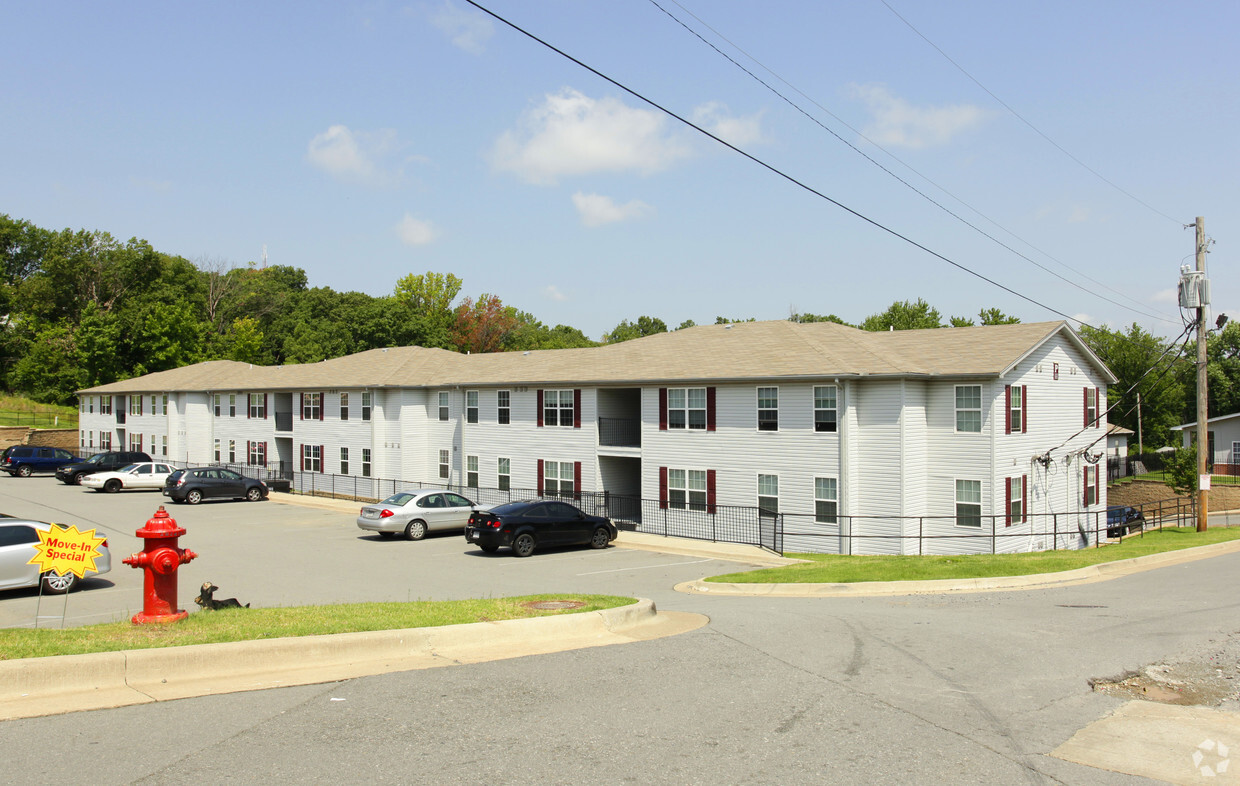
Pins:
x: 804, y: 318
x: 430, y: 294
x: 726, y: 321
x: 960, y: 322
x: 903, y: 315
x: 483, y: 326
x: 1130, y: 356
x: 1180, y: 468
x: 688, y: 323
x: 993, y: 316
x: 626, y: 331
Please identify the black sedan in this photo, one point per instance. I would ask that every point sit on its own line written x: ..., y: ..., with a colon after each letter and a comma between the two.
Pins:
x: 195, y: 484
x: 524, y: 526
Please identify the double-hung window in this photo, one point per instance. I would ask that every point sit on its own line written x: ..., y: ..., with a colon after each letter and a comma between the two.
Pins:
x: 105, y: 405
x: 232, y: 405
x: 471, y: 406
x: 153, y: 403
x: 1016, y: 510
x: 344, y: 461
x: 768, y: 495
x: 258, y: 454
x: 825, y: 398
x: 311, y: 406
x: 768, y: 409
x: 217, y: 404
x: 258, y: 405
x: 105, y: 443
x: 504, y: 469
x: 344, y: 411
x: 163, y: 445
x: 165, y: 406
x: 503, y: 400
x: 443, y: 406
x: 1016, y: 409
x: 686, y: 489
x: 232, y: 451
x: 1091, y: 407
x: 445, y: 464
x: 135, y: 405
x: 1091, y: 485
x: 969, y: 503
x: 558, y: 408
x: 826, y: 500
x: 969, y: 409
x: 471, y: 471
x: 686, y: 408
x: 312, y: 458
x: 217, y: 451
x: 558, y: 477
x: 366, y: 404
x: 365, y: 462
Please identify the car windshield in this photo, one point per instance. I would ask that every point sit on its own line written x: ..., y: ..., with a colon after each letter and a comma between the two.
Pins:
x: 129, y: 468
x: 511, y: 507
x: 400, y: 498
x: 95, y: 459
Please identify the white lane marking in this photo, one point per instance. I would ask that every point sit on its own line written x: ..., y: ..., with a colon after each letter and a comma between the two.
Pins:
x: 648, y: 567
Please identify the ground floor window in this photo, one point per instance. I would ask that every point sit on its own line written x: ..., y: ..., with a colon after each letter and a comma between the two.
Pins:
x: 217, y: 451
x: 232, y: 451
x: 344, y: 452
x: 312, y: 458
x: 105, y: 440
x: 768, y: 495
x: 686, y: 488
x: 135, y: 441
x: 471, y: 471
x: 445, y: 464
x: 505, y: 474
x: 969, y: 503
x: 826, y: 500
x: 365, y: 462
x: 257, y: 454
x: 558, y: 478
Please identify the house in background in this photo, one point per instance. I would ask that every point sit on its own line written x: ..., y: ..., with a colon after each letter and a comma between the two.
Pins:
x: 1224, y: 442
x: 836, y: 439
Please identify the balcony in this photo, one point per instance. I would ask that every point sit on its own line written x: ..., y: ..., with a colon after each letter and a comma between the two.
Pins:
x: 620, y: 432
x: 284, y: 421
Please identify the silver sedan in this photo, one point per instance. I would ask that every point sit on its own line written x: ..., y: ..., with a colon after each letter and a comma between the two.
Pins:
x: 18, y: 538
x: 417, y: 512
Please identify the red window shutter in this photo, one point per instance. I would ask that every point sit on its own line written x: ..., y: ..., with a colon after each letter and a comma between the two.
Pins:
x: 577, y: 477
x: 266, y: 413
x: 1024, y: 408
x: 247, y: 406
x: 710, y: 412
x: 322, y: 456
x: 540, y: 461
x: 662, y: 409
x: 1007, y: 412
x: 247, y: 448
x: 322, y: 404
x: 710, y: 489
x: 662, y: 488
x: 264, y: 444
x: 540, y: 425
x: 1024, y: 498
x: 577, y: 408
x: 1007, y: 503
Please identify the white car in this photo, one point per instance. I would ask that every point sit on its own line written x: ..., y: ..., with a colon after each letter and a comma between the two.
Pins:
x: 144, y: 475
x: 417, y: 512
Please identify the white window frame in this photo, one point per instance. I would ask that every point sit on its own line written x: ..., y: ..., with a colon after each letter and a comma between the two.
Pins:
x: 344, y: 411
x: 257, y: 406
x: 687, y: 489
x: 367, y: 403
x: 344, y: 459
x: 686, y: 409
x: 1016, y: 408
x: 165, y: 405
x: 445, y: 407
x: 311, y: 458
x: 965, y: 515
x: 1016, y: 495
x: 232, y: 451
x: 365, y: 462
x: 232, y: 405
x: 471, y: 471
x: 163, y: 445
x: 445, y: 464
x: 768, y: 489
x: 105, y: 440
x: 503, y: 407
x: 258, y: 454
x: 311, y: 406
x: 968, y: 410
x: 770, y: 396
x: 554, y: 476
x: 826, y: 400
x: 105, y: 405
x: 826, y: 500
x: 218, y: 450
x: 135, y: 404
x: 558, y: 406
x: 471, y: 406
x: 1091, y: 406
x: 503, y: 473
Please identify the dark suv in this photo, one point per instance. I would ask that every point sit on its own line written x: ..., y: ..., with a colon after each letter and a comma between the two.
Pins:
x: 72, y: 474
x: 1123, y: 520
x: 25, y: 459
x: 195, y: 484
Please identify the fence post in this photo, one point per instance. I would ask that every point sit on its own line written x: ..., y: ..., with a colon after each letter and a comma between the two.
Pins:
x: 920, y: 534
x: 1055, y: 526
x: 992, y: 535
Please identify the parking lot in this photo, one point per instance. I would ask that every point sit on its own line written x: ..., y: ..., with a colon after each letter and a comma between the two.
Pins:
x: 277, y: 554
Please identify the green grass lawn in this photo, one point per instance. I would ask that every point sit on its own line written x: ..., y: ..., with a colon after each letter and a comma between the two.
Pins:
x: 836, y: 569
x: 1161, y: 477
x: 18, y: 411
x: 215, y: 627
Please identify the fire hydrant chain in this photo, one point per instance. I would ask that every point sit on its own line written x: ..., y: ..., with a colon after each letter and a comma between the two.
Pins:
x: 159, y: 559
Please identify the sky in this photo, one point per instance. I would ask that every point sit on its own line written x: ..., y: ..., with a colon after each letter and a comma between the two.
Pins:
x: 855, y: 150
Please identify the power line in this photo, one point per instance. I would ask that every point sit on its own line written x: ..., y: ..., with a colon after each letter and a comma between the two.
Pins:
x: 910, y: 186
x: 1022, y: 119
x: 769, y: 167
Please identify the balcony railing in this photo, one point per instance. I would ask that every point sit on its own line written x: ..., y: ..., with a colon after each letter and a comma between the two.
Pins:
x: 284, y: 421
x: 620, y: 432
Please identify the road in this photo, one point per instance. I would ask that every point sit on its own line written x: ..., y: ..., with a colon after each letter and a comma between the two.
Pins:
x: 968, y: 688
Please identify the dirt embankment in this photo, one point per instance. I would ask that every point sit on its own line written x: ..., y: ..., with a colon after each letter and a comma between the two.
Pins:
x: 1138, y: 492
x: 66, y: 438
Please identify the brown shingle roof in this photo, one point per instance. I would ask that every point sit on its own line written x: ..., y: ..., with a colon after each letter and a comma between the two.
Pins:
x: 744, y: 350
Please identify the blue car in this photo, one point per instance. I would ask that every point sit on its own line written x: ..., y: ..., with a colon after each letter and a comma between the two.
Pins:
x: 24, y: 460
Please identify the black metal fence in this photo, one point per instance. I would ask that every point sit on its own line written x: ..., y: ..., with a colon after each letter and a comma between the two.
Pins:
x: 1136, y: 464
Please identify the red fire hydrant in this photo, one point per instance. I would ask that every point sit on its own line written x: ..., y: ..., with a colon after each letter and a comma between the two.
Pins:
x: 160, y: 558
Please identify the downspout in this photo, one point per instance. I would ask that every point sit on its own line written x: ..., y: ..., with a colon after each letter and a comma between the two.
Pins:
x: 845, y: 462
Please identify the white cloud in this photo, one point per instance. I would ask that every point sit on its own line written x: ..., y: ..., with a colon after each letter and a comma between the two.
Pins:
x: 897, y: 123
x: 555, y: 294
x: 596, y: 210
x: 572, y: 134
x: 1079, y: 215
x: 354, y: 155
x: 415, y: 232
x: 739, y: 131
x: 466, y: 28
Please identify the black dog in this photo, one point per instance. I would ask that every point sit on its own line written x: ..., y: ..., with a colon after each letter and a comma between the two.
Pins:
x: 206, y: 600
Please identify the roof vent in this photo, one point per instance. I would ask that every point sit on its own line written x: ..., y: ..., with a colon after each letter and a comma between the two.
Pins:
x: 728, y: 326
x: 526, y: 352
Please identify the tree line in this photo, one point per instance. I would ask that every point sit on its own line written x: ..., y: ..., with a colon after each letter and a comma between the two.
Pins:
x: 80, y: 308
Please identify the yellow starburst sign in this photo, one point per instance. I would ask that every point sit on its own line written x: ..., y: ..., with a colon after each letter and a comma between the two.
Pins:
x: 66, y: 550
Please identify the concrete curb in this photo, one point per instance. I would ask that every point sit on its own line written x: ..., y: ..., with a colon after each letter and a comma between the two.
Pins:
x: 48, y: 686
x: 1101, y: 572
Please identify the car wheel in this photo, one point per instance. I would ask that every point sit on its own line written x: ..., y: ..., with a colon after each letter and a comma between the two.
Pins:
x: 600, y: 539
x: 55, y: 584
x: 77, y: 478
x: 24, y: 470
x: 386, y: 535
x: 490, y: 548
x: 112, y: 486
x: 523, y: 546
x: 193, y: 497
x: 254, y: 494
x: 416, y: 530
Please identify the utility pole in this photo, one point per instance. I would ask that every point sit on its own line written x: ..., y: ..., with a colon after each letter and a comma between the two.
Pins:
x: 1140, y: 437
x: 1203, y: 428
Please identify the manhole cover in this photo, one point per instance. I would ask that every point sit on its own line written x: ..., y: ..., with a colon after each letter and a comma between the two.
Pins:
x: 553, y: 605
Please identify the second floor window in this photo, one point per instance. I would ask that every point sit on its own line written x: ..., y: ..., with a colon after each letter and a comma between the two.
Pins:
x: 471, y: 406
x: 503, y: 400
x: 105, y: 405
x: 969, y: 408
x: 135, y: 405
x: 258, y: 405
x: 312, y: 406
x: 558, y: 408
x: 768, y: 409
x: 825, y: 408
x: 366, y: 404
x: 344, y: 412
x: 443, y: 406
x: 686, y: 408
